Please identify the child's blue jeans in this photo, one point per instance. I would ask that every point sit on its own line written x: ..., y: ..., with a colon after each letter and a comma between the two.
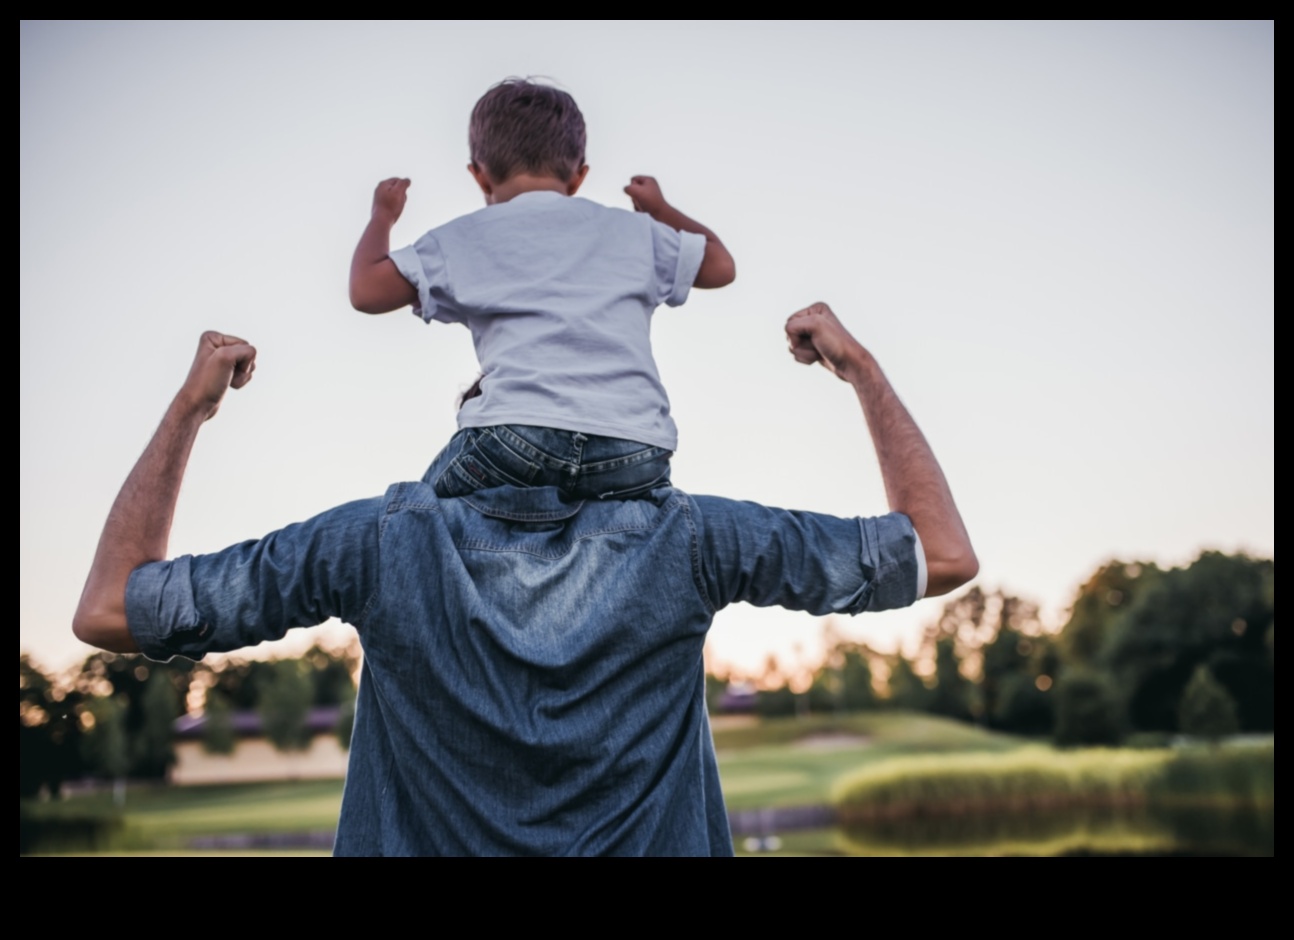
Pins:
x: 582, y: 466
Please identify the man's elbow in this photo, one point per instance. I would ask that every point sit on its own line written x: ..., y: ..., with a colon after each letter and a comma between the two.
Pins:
x: 944, y: 575
x: 106, y: 630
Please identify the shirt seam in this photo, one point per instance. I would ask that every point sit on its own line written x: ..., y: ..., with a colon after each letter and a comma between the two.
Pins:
x: 698, y: 577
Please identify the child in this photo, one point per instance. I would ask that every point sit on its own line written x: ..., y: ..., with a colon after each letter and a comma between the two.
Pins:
x: 558, y: 292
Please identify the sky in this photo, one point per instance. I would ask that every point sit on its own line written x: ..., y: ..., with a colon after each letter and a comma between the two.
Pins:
x: 1056, y: 237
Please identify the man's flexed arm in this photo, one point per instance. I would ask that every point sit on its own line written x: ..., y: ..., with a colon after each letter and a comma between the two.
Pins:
x: 914, y: 483
x: 139, y: 524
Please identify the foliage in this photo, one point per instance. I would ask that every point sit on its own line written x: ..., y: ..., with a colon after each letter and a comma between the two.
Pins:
x: 1148, y: 630
x: 1087, y: 711
x: 951, y: 695
x: 1039, y: 779
x: 331, y: 673
x: 1107, y: 594
x: 159, y: 706
x: 1024, y: 706
x: 1035, y: 778
x: 776, y: 703
x: 105, y: 745
x: 218, y: 730
x: 1219, y: 606
x: 1206, y: 710
x: 285, y: 704
x: 843, y: 683
x: 49, y: 731
x: 152, y: 695
x: 907, y: 690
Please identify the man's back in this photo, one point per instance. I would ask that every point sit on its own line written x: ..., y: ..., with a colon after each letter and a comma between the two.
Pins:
x: 532, y: 683
x: 533, y: 680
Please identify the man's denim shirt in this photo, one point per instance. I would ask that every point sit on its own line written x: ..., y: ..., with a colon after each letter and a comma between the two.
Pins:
x: 532, y: 679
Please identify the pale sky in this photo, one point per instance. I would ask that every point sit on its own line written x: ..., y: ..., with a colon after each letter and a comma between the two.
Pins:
x: 1057, y: 238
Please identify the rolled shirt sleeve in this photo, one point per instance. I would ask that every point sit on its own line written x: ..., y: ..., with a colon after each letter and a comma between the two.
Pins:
x: 678, y: 259
x: 299, y: 576
x: 422, y: 264
x: 806, y: 561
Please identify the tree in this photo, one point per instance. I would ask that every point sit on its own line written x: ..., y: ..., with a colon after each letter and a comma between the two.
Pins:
x: 981, y: 634
x: 106, y: 746
x: 49, y: 731
x: 1102, y: 599
x: 1024, y: 706
x: 331, y: 673
x: 1087, y: 710
x: 1206, y: 710
x: 950, y: 696
x: 159, y: 706
x: 218, y: 735
x: 843, y: 682
x: 907, y: 690
x: 1218, y: 611
x: 285, y: 705
x: 152, y: 693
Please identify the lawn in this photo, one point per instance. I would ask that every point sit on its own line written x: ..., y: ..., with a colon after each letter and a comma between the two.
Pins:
x: 784, y: 762
x: 795, y: 761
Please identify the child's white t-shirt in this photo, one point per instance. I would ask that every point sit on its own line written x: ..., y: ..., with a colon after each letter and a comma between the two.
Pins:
x: 558, y: 292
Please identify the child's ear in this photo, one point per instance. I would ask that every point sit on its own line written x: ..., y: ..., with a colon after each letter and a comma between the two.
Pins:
x: 577, y: 180
x: 482, y: 180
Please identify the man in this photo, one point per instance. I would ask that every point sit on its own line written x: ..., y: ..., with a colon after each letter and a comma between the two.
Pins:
x: 532, y: 680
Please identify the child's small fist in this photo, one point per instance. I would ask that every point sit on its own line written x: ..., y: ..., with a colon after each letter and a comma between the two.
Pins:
x: 389, y: 198
x: 646, y: 195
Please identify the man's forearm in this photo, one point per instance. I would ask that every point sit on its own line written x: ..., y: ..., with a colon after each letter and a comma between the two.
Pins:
x: 139, y: 524
x: 137, y: 530
x: 914, y: 482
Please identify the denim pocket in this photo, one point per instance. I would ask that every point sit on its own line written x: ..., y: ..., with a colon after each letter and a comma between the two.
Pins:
x: 637, y: 478
x: 485, y: 462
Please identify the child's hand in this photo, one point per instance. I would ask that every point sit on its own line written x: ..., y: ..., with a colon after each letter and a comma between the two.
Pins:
x: 646, y: 195
x: 389, y: 199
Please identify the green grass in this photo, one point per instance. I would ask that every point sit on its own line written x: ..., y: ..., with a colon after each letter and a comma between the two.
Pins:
x: 796, y: 761
x: 1041, y: 779
x: 162, y: 818
x: 888, y: 760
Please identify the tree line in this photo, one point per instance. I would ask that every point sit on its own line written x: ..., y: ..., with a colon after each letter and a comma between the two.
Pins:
x: 113, y: 717
x: 1145, y: 651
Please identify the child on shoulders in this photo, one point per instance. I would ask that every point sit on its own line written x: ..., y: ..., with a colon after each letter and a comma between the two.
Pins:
x: 558, y: 292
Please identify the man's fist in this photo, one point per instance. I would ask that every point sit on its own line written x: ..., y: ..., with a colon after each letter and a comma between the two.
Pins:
x: 815, y: 335
x: 222, y: 362
x: 645, y: 193
x: 389, y: 198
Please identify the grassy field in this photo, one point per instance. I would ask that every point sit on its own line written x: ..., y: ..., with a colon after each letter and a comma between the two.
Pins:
x: 796, y: 761
x: 785, y: 762
x: 886, y: 758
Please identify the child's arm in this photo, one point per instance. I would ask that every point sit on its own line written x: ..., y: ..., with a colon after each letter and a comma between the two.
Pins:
x: 717, y: 267
x: 376, y: 285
